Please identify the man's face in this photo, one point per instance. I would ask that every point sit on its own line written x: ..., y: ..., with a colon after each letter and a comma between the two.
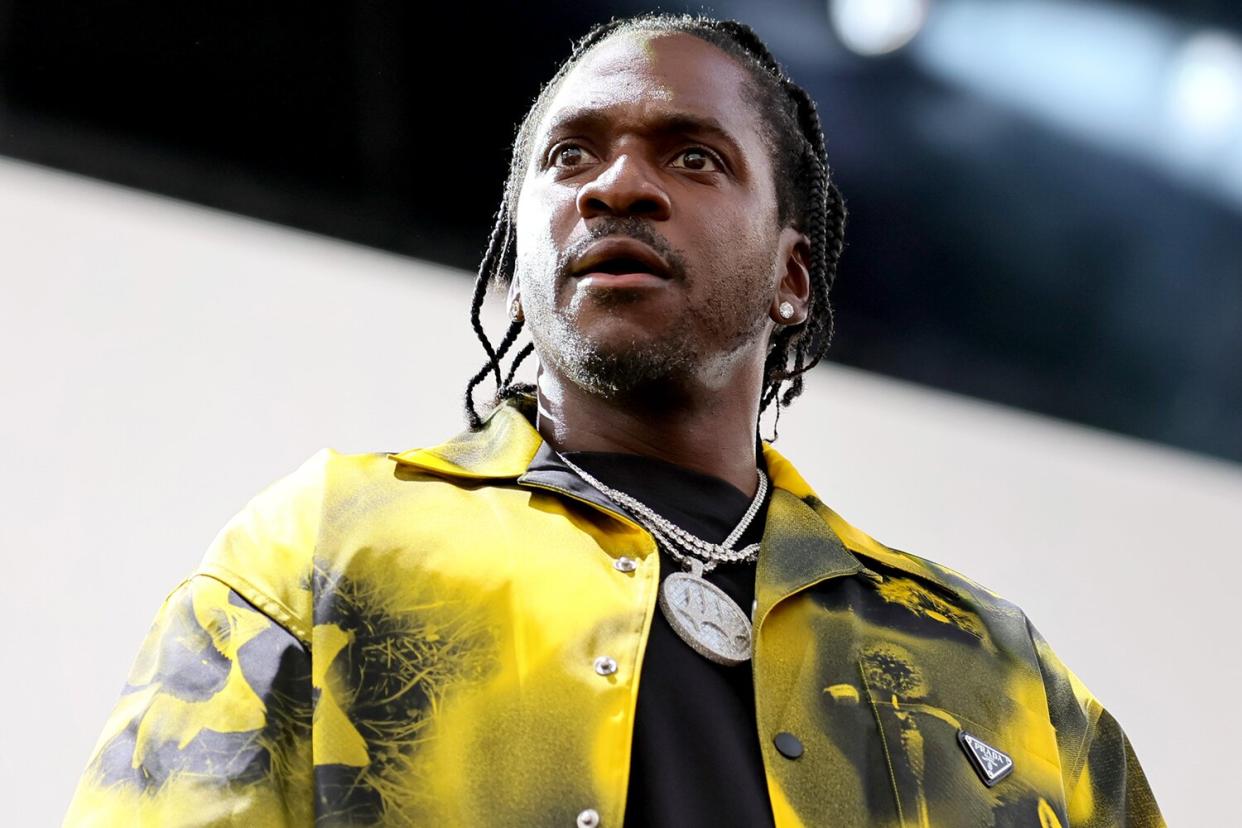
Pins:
x: 647, y: 239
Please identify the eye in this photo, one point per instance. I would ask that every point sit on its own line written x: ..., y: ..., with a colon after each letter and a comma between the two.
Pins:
x: 698, y: 160
x: 569, y: 155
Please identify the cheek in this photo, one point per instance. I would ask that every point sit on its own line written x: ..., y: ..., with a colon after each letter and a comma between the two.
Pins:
x: 536, y: 253
x: 542, y: 228
x: 737, y: 251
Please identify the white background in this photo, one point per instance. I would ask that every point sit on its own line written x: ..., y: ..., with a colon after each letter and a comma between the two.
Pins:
x: 162, y: 363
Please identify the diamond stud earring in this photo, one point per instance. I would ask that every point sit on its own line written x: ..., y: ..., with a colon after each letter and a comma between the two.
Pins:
x: 786, y: 310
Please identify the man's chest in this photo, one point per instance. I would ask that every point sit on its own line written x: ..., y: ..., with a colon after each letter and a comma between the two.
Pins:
x: 481, y: 657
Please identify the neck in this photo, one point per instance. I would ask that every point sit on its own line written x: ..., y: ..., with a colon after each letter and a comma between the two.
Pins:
x: 708, y: 432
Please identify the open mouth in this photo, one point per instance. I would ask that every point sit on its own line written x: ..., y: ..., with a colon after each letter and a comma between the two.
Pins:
x: 621, y: 262
x: 622, y: 265
x: 621, y: 274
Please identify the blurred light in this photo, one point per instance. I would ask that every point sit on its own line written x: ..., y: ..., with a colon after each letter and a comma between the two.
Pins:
x: 1134, y: 81
x: 1205, y: 91
x: 874, y: 27
x: 1088, y: 68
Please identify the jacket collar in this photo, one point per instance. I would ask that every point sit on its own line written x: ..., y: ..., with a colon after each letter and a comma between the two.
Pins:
x: 804, y: 541
x: 502, y: 449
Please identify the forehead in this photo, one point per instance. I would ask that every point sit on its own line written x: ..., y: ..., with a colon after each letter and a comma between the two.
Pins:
x: 636, y: 76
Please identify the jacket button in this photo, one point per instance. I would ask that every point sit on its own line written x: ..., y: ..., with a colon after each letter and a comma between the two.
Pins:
x: 788, y: 744
x: 605, y: 666
x: 588, y: 818
x: 624, y: 564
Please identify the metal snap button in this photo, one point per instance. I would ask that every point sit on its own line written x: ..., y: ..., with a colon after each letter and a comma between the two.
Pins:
x: 588, y: 818
x: 624, y: 564
x: 605, y: 666
x: 788, y: 744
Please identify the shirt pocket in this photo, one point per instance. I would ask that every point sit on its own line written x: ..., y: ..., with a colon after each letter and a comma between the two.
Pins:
x: 937, y: 783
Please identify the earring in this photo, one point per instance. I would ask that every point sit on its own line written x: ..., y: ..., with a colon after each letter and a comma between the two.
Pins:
x: 515, y: 310
x: 786, y: 310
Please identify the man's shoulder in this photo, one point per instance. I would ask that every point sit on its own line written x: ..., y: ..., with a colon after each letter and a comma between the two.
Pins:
x: 266, y: 552
x: 331, y: 474
x: 953, y: 582
x: 887, y: 561
x: 905, y: 577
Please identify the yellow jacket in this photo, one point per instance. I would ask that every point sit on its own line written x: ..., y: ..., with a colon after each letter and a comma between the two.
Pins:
x: 409, y: 639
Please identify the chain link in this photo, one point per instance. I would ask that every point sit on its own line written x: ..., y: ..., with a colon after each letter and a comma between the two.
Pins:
x: 677, y: 540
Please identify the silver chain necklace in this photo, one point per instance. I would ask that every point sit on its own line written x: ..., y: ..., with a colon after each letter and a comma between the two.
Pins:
x: 701, y: 613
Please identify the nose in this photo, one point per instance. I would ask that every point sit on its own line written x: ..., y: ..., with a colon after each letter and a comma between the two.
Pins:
x: 626, y: 187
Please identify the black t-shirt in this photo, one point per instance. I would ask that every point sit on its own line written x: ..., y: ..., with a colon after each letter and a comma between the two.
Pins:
x: 696, y: 758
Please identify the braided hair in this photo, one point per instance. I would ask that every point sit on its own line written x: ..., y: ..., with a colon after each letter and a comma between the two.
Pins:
x: 807, y: 199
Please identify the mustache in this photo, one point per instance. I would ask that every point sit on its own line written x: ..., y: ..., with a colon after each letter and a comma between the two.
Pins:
x: 627, y: 226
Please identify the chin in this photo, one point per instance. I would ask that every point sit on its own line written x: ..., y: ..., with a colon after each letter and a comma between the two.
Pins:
x: 626, y: 368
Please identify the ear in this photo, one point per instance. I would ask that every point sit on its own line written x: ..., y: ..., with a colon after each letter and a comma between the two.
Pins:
x: 794, y: 286
x: 514, y: 300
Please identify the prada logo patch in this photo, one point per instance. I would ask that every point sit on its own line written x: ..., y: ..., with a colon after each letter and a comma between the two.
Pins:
x: 990, y: 763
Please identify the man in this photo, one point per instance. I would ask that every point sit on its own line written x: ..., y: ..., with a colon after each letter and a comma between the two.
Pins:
x: 456, y: 635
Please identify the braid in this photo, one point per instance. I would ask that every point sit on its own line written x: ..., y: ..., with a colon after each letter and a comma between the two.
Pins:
x: 517, y: 363
x: 497, y: 245
x: 807, y: 198
x: 823, y: 222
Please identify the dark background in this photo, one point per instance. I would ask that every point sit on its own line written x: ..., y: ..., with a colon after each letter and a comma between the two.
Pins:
x: 990, y: 251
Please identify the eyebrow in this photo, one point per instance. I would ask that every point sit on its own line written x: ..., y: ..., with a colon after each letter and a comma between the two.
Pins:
x: 589, y: 119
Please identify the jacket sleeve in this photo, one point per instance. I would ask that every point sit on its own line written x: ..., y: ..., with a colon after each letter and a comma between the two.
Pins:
x: 213, y: 725
x: 1104, y: 783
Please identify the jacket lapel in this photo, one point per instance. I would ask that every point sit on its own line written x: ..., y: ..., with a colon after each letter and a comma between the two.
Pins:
x: 798, y: 551
x: 546, y: 472
x: 507, y: 447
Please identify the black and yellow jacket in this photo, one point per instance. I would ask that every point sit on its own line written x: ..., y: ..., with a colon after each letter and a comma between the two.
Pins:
x: 410, y: 639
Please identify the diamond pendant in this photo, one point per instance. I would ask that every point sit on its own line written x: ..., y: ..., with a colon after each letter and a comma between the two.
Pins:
x: 705, y: 617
